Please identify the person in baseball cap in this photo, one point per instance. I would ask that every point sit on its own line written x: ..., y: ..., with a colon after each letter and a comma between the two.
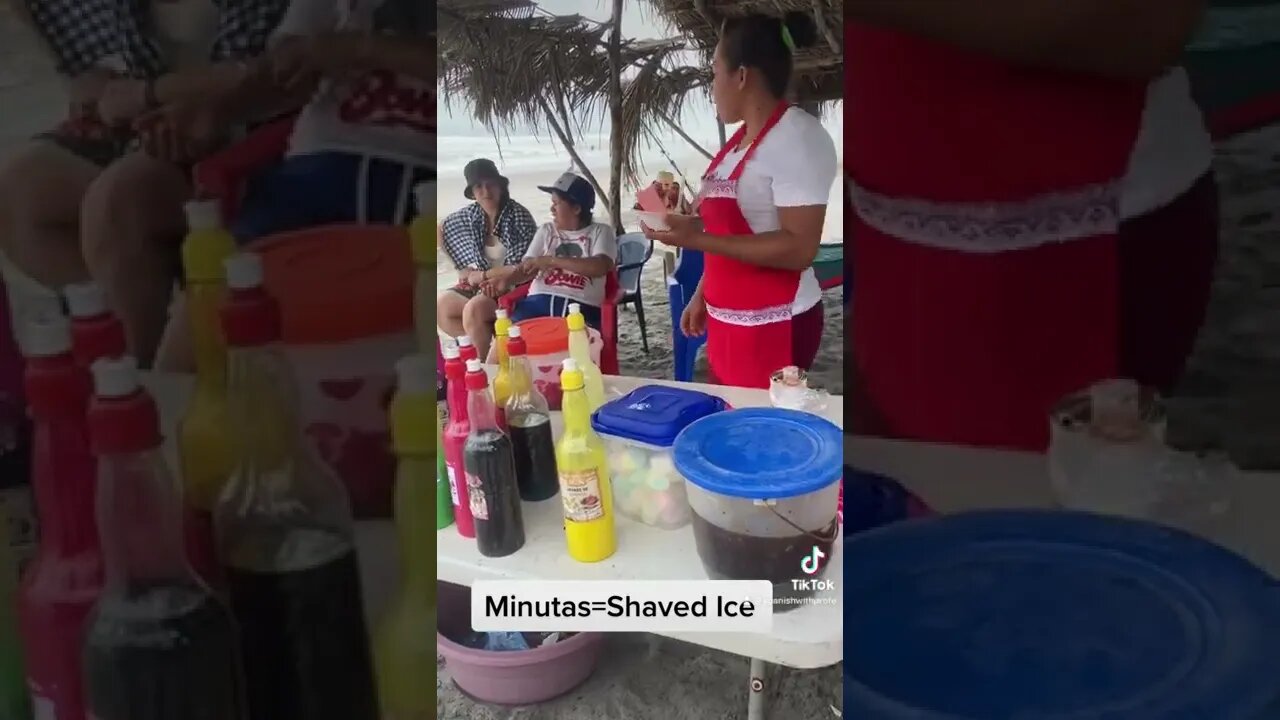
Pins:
x: 569, y: 260
x: 575, y: 189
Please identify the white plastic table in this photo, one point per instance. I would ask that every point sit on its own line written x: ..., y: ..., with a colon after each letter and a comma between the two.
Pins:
x: 953, y: 479
x: 806, y: 637
x: 809, y: 636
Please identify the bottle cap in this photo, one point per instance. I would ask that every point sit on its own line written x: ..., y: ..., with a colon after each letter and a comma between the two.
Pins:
x: 47, y: 335
x: 515, y: 343
x: 115, y: 378
x: 464, y: 341
x: 450, y: 351
x: 244, y: 271
x: 571, y: 377
x: 203, y: 215
x: 424, y: 196
x: 415, y: 375
x: 500, y: 313
x: 422, y: 239
x: 575, y: 308
x: 473, y: 365
x: 85, y: 300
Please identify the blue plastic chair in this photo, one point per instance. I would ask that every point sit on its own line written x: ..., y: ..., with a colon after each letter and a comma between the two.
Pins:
x: 634, y: 250
x: 681, y: 285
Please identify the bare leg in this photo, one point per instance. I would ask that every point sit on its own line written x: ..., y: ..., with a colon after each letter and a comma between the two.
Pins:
x: 132, y: 225
x: 41, y: 190
x: 449, y: 313
x: 477, y: 320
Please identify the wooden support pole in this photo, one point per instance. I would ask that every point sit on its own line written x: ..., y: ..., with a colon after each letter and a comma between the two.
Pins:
x: 615, y: 118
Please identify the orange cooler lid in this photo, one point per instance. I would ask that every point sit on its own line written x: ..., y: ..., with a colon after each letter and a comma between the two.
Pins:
x: 340, y: 282
x: 544, y: 335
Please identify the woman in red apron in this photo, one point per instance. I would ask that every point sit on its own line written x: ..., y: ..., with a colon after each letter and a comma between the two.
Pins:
x: 1001, y: 263
x: 761, y: 211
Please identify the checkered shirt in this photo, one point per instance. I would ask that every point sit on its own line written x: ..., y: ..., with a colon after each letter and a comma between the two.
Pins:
x: 83, y: 33
x: 463, y: 234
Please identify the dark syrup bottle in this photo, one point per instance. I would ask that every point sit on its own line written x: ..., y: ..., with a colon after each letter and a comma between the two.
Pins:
x: 529, y: 420
x: 284, y: 533
x: 159, y: 644
x: 493, y: 494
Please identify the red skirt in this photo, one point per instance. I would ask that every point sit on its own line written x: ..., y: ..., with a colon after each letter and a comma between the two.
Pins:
x: 974, y: 349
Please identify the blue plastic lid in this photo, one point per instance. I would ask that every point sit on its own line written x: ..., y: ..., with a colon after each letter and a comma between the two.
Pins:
x: 1054, y: 616
x: 654, y: 414
x: 760, y: 453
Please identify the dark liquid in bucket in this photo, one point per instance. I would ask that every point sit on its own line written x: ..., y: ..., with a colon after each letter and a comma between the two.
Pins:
x: 493, y: 493
x: 306, y: 647
x: 535, y: 455
x: 733, y: 556
x: 166, y: 652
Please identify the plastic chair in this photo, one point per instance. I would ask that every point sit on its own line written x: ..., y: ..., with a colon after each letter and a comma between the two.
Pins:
x: 222, y: 176
x: 608, y: 319
x: 634, y: 250
x: 1232, y: 64
x: 681, y: 284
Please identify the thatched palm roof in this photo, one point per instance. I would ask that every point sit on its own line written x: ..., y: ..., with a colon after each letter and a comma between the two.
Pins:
x: 514, y: 64
x: 819, y: 69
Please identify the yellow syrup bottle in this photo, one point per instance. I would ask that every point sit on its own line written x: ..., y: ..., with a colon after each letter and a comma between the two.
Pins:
x: 580, y: 351
x: 203, y: 433
x: 584, y: 475
x: 422, y: 235
x: 405, y: 639
x: 502, y: 381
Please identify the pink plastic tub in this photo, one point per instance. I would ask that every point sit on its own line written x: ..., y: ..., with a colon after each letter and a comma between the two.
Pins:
x: 511, y: 678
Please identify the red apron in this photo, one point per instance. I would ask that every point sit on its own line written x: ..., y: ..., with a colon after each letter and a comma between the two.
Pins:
x: 985, y: 227
x: 748, y: 307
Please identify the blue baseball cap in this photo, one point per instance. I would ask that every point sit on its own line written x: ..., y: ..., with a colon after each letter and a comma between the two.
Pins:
x: 574, y: 188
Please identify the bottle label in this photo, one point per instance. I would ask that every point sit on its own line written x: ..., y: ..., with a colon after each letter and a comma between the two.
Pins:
x: 453, y: 485
x: 581, y: 493
x: 475, y: 493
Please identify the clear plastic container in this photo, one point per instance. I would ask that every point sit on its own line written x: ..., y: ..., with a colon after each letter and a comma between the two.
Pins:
x: 547, y: 340
x: 763, y: 484
x: 1108, y: 454
x: 638, y: 430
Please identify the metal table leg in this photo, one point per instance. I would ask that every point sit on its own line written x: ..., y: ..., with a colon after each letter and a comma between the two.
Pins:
x: 756, y: 690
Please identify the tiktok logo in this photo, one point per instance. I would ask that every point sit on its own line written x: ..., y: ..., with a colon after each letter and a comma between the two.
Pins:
x: 810, y: 563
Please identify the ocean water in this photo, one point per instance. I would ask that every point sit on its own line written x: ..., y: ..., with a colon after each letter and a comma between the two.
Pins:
x: 529, y: 160
x: 519, y: 150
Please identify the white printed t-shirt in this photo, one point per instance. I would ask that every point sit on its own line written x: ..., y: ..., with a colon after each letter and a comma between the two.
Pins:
x: 379, y: 114
x: 592, y: 241
x: 794, y: 166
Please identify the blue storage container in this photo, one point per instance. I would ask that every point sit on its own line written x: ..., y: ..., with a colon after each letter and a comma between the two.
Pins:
x: 764, y: 488
x: 1055, y: 616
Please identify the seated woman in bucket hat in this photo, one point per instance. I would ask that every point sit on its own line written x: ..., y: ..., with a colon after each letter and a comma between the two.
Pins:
x: 492, y: 232
x: 569, y: 259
